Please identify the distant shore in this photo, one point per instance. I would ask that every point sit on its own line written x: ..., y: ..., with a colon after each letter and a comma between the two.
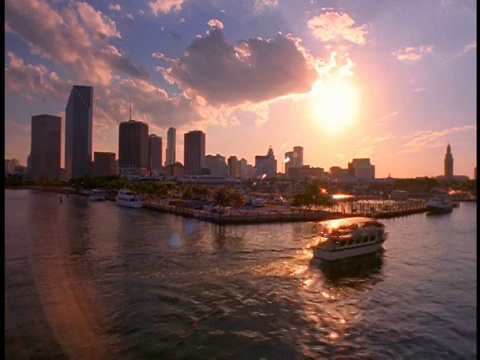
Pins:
x: 267, y: 214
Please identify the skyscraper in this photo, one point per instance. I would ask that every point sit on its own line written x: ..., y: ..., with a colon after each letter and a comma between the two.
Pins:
x: 266, y: 165
x: 154, y: 153
x: 133, y: 148
x: 233, y: 166
x: 448, y: 163
x: 194, y: 152
x: 104, y: 164
x: 45, y: 147
x: 171, y: 134
x: 78, y: 132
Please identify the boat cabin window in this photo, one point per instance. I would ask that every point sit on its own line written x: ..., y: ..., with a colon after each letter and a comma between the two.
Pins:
x: 358, y: 241
x: 365, y: 239
x: 372, y: 238
x: 350, y: 242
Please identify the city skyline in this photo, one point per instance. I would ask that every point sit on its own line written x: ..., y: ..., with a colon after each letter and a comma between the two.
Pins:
x: 259, y: 73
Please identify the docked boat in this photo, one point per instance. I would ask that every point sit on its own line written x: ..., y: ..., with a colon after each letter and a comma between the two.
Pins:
x: 349, y: 237
x: 439, y: 205
x: 128, y: 198
x: 97, y: 195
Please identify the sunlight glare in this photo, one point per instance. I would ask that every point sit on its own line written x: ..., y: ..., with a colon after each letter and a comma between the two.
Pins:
x: 334, y: 104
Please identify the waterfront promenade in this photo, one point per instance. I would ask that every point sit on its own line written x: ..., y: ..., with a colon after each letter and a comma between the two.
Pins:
x: 380, y: 209
x: 278, y: 213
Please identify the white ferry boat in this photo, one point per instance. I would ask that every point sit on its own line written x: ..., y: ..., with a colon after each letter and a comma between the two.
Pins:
x: 126, y: 197
x: 97, y: 195
x: 439, y: 205
x: 349, y: 237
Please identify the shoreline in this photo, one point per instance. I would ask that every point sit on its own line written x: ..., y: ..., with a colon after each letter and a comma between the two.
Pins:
x: 254, y: 216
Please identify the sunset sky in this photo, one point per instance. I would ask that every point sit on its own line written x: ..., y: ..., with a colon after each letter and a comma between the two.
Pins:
x: 394, y: 81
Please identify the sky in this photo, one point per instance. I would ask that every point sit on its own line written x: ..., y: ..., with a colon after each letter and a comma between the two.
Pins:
x: 394, y: 81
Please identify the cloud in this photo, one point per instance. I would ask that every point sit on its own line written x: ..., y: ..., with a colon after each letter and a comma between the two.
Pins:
x: 387, y: 116
x: 261, y: 5
x: 21, y: 77
x: 176, y: 36
x: 413, y: 54
x: 426, y: 139
x: 466, y: 49
x: 115, y: 7
x: 255, y: 70
x: 75, y: 36
x: 165, y: 6
x: 214, y: 23
x: 335, y: 26
x: 419, y: 89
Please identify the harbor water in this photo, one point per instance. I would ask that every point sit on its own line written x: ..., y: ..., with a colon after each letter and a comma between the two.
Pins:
x: 94, y: 280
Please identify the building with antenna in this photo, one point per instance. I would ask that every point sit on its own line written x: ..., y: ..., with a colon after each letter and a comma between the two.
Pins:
x: 133, y: 155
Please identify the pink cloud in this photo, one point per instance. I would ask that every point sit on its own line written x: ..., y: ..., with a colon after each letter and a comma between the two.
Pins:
x: 115, y: 7
x: 75, y: 36
x: 165, y: 6
x: 36, y: 78
x: 413, y: 54
x: 336, y: 26
x: 214, y: 23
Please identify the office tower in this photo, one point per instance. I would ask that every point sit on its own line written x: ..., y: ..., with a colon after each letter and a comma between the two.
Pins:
x: 266, y: 165
x: 104, y: 164
x: 194, y: 152
x: 133, y: 148
x: 297, y: 156
x: 171, y: 134
x: 233, y: 166
x: 216, y: 164
x: 448, y: 163
x: 45, y: 147
x: 8, y: 167
x: 78, y: 132
x: 243, y: 168
x: 155, y: 153
x: 29, y: 164
x: 361, y: 168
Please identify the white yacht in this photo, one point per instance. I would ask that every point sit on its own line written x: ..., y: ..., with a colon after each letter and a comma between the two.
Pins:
x: 97, y: 195
x: 126, y: 197
x: 440, y: 205
x: 349, y: 237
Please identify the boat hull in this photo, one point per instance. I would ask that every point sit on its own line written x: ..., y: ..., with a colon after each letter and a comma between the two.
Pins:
x: 130, y: 204
x: 332, y: 255
x: 439, y: 209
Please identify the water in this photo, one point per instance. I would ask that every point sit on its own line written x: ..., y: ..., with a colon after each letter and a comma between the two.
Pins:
x: 94, y: 280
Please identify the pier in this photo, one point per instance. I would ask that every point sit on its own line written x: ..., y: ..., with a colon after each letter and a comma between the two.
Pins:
x: 276, y: 214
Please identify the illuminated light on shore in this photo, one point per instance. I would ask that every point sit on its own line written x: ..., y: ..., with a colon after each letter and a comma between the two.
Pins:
x: 341, y: 196
x: 333, y: 335
x: 287, y: 159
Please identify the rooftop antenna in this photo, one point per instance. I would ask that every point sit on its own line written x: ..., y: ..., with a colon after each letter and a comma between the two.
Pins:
x: 130, y: 118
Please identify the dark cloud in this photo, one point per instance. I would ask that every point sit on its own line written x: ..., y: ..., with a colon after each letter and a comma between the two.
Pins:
x: 175, y: 36
x: 255, y: 70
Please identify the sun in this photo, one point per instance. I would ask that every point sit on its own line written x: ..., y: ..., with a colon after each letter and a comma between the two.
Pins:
x: 334, y: 104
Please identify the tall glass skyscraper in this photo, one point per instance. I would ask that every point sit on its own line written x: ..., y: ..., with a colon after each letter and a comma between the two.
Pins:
x: 170, y: 156
x: 78, y: 132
